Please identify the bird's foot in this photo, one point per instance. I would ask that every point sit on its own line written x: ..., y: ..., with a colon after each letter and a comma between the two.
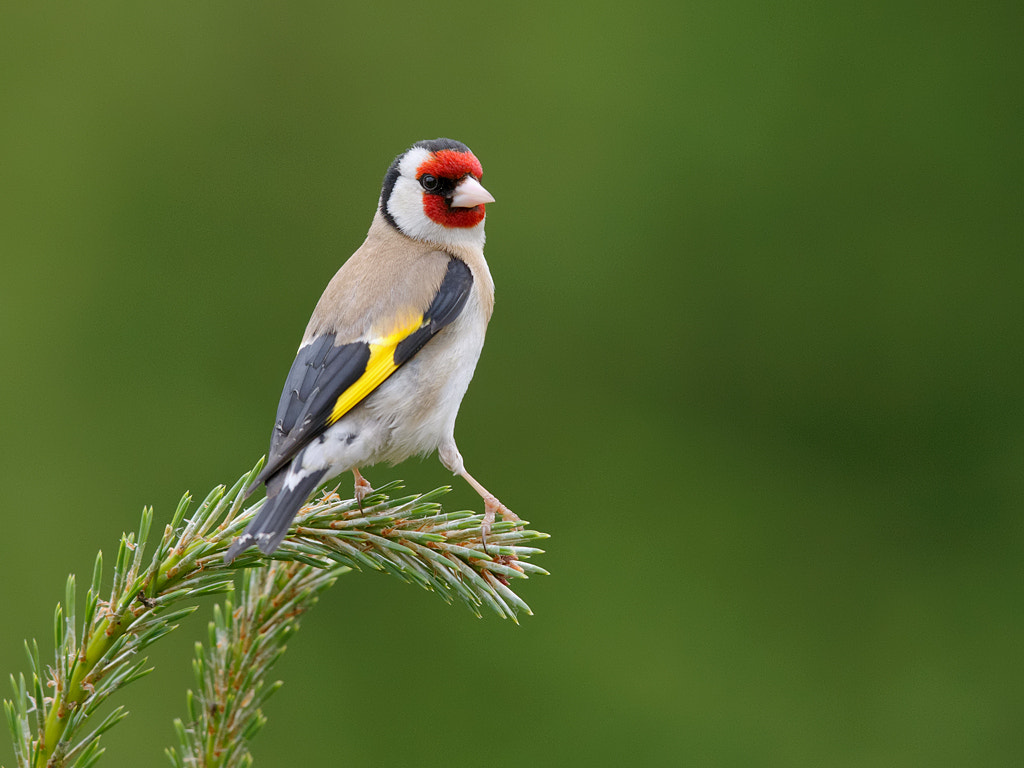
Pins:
x: 361, y: 488
x: 492, y: 508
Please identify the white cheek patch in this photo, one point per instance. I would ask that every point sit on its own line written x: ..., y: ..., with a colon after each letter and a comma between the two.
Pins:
x: 406, y: 207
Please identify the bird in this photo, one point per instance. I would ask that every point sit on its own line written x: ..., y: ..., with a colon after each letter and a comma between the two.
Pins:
x: 391, y: 346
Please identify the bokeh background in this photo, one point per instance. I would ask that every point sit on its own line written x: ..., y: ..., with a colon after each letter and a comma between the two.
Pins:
x: 756, y: 363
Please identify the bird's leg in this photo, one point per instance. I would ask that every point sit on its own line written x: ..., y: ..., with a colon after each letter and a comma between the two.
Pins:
x: 492, y: 507
x: 361, y: 488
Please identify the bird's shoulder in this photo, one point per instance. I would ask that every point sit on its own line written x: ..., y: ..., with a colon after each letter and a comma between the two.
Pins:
x: 386, y: 282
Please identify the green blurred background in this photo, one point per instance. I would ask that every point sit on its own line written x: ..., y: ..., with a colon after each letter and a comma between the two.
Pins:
x: 756, y: 362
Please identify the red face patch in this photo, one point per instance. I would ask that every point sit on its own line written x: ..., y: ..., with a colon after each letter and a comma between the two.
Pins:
x: 450, y: 164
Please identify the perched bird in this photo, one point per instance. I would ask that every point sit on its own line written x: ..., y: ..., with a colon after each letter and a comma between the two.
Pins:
x: 391, y: 346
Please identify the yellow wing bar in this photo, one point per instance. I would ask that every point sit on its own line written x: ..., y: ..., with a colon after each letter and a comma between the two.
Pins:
x: 380, y: 365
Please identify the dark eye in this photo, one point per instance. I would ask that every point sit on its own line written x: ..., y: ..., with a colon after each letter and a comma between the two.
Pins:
x: 429, y: 183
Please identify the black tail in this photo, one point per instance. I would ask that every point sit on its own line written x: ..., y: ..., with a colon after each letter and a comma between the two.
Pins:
x: 270, y: 526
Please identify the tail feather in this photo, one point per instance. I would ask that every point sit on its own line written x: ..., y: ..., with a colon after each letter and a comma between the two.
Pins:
x: 270, y: 526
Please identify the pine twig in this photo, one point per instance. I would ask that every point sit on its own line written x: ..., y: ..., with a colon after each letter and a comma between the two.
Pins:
x: 225, y: 711
x: 410, y: 537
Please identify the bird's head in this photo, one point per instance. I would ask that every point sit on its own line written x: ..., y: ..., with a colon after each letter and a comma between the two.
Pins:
x: 432, y: 192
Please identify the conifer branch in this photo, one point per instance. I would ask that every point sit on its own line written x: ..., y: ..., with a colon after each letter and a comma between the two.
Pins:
x: 410, y: 537
x: 225, y: 710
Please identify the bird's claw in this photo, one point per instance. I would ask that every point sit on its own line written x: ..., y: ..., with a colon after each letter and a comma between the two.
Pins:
x: 492, y: 508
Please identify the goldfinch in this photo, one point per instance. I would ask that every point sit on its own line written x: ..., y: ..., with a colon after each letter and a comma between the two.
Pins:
x: 391, y: 346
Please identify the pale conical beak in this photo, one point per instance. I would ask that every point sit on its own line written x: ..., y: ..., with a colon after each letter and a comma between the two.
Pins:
x: 470, y: 193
